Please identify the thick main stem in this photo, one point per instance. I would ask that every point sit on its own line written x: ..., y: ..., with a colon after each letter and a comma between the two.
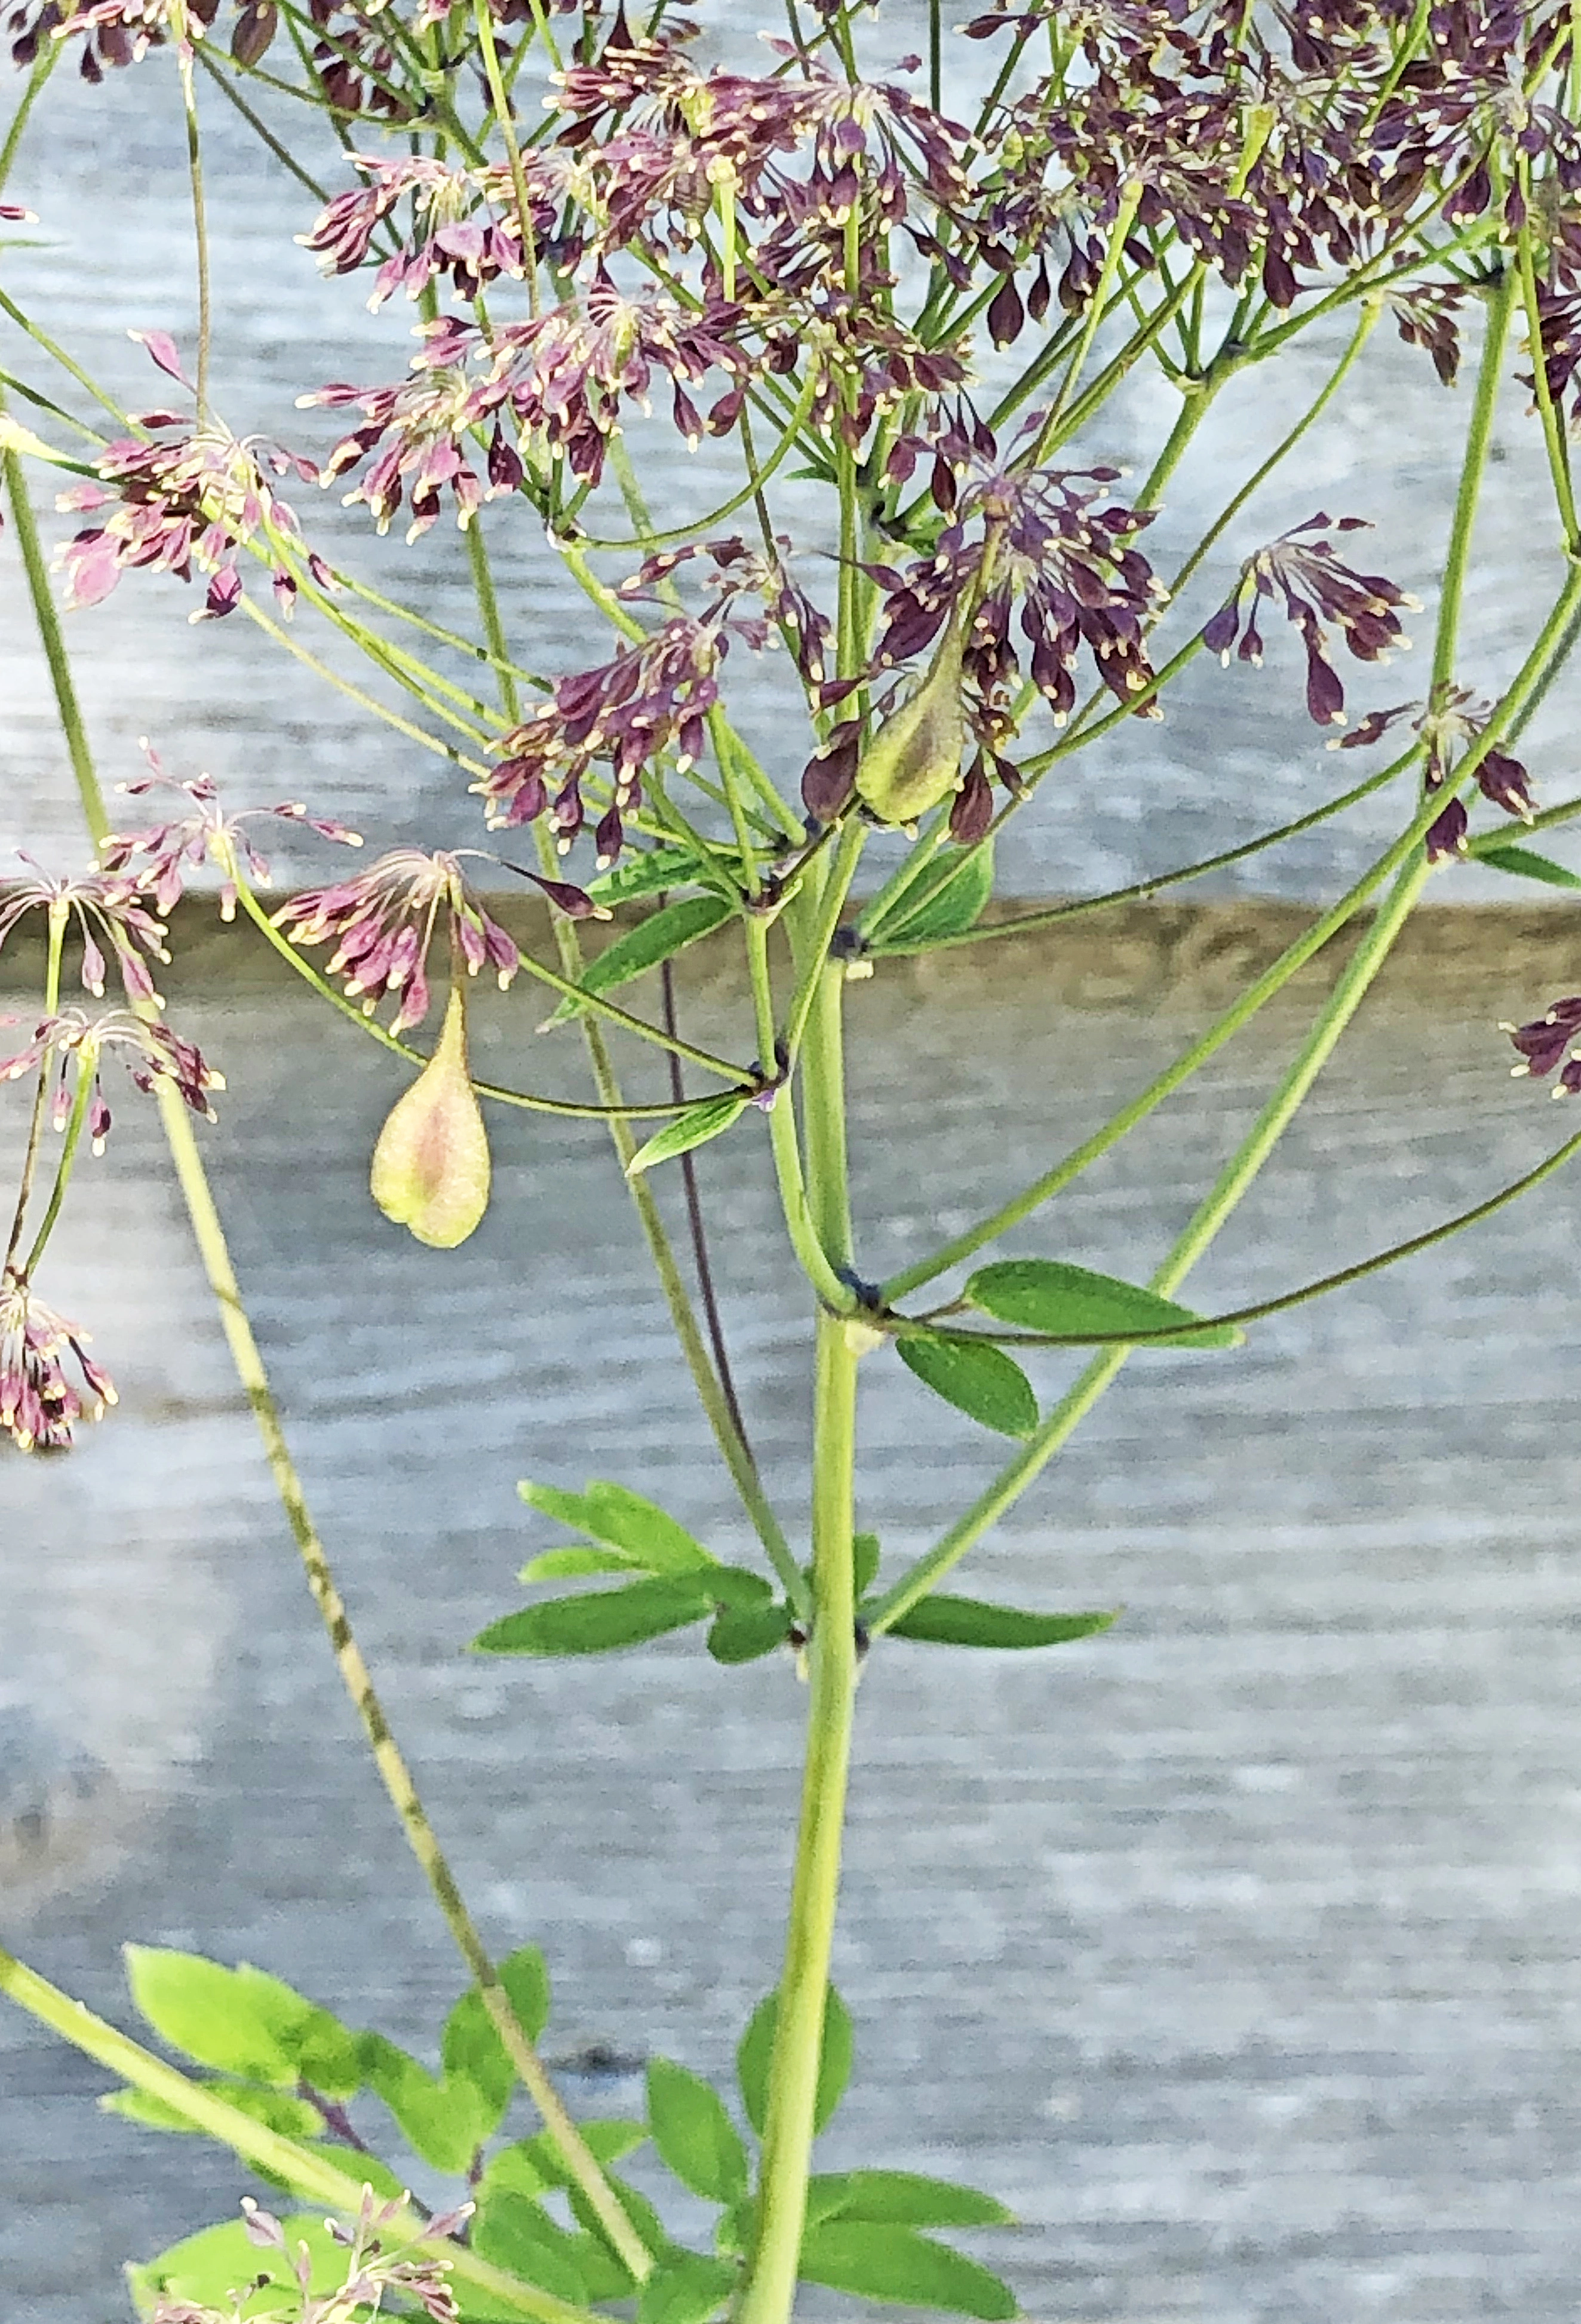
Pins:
x: 788, y: 2132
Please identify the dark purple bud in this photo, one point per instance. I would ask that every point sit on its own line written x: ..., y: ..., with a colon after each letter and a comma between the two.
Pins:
x: 225, y: 593
x: 973, y: 811
x: 505, y: 465
x: 1279, y: 280
x: 1038, y: 296
x: 574, y: 902
x: 1219, y: 634
x: 942, y: 485
x: 830, y: 777
x: 1446, y: 837
x: 253, y: 34
x: 1006, y: 314
x: 1324, y: 694
x: 163, y: 350
x: 1505, y: 781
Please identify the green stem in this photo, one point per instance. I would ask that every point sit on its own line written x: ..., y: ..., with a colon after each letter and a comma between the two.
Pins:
x: 770, y: 2293
x: 199, y: 219
x: 1478, y: 439
x: 1322, y: 1284
x: 1553, y: 426
x: 54, y: 644
x: 359, y: 695
x: 1370, y: 310
x: 309, y: 2171
x: 63, y: 1167
x: 387, y: 1755
x: 43, y: 65
x: 58, y: 912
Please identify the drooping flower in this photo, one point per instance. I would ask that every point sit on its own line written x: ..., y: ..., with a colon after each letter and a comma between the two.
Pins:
x: 203, y: 833
x: 1546, y: 1040
x: 1449, y: 723
x: 383, y: 922
x: 1316, y: 586
x: 627, y: 712
x: 454, y: 233
x: 185, y: 503
x: 109, y: 916
x: 71, y: 1045
x: 39, y: 1401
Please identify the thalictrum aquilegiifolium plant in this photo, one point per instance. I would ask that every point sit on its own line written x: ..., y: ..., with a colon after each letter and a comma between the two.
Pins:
x: 905, y: 331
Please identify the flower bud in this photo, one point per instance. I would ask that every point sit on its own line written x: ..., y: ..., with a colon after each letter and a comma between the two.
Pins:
x: 431, y: 1170
x: 914, y: 760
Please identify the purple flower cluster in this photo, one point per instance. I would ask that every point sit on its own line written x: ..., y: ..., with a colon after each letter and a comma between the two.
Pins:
x: 191, y: 501
x: 40, y: 1402
x: 1314, y: 586
x: 1448, y: 723
x: 455, y: 235
x: 648, y: 699
x: 201, y: 833
x: 383, y: 922
x: 110, y: 917
x: 1546, y: 1041
x: 68, y: 1047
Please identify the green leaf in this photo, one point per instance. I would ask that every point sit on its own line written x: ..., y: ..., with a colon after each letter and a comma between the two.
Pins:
x: 709, y: 1119
x: 686, y: 2288
x: 513, y: 2232
x: 896, y: 2264
x: 292, y: 2117
x: 1045, y: 1294
x: 948, y: 1622
x: 695, y: 2136
x: 570, y: 1564
x: 469, y: 2045
x: 979, y: 1380
x: 1529, y: 864
x: 741, y: 1633
x: 645, y: 874
x: 901, y: 2198
x: 753, y: 2057
x: 865, y: 1558
x: 639, y: 1530
x: 240, y: 2020
x: 446, y: 2121
x: 951, y: 905
x: 738, y: 1586
x: 646, y: 1533
x: 207, y: 2267
x: 657, y: 938
x: 599, y: 1621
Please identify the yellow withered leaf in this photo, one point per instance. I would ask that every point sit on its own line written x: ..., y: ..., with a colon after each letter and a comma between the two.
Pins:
x: 432, y: 1169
